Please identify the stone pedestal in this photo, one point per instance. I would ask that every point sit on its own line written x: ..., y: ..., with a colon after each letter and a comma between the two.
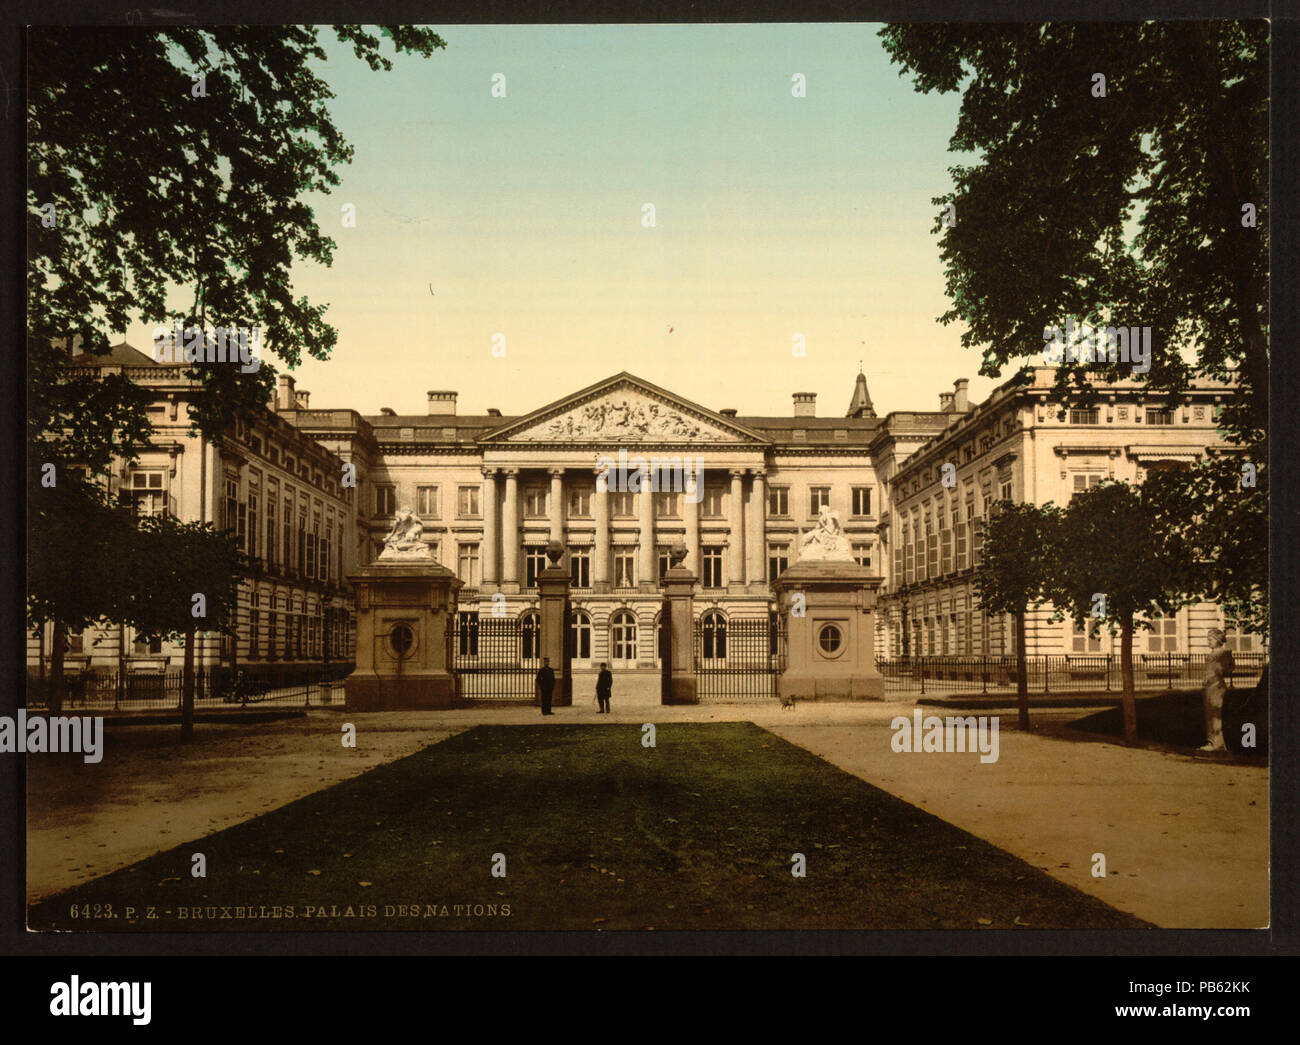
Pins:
x: 679, y: 589
x: 404, y: 613
x: 830, y: 632
x: 553, y: 591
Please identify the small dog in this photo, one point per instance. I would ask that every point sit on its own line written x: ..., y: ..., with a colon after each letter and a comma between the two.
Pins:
x: 787, y: 703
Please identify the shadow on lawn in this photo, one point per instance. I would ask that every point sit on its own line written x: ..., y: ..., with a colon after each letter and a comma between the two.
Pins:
x: 592, y: 830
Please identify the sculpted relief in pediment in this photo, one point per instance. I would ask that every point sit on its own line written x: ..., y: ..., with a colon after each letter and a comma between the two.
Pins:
x: 619, y: 416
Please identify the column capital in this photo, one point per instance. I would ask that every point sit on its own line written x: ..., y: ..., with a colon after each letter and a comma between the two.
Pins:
x: 737, y: 473
x: 760, y: 472
x: 489, y: 473
x: 556, y: 472
x: 510, y: 473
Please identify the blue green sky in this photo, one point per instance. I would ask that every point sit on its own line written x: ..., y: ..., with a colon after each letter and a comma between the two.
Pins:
x: 775, y: 216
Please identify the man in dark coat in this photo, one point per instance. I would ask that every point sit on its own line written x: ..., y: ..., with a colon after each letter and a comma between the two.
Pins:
x: 604, y: 683
x: 546, y: 683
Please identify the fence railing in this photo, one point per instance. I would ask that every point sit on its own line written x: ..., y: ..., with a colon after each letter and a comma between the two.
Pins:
x: 224, y: 687
x: 1062, y: 673
x: 494, y: 659
x: 738, y: 661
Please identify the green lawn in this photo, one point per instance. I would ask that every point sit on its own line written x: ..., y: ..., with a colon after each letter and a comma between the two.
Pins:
x: 597, y: 832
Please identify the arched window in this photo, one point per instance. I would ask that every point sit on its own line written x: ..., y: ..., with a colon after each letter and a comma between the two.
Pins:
x: 713, y: 632
x: 580, y: 635
x: 530, y: 635
x: 622, y: 636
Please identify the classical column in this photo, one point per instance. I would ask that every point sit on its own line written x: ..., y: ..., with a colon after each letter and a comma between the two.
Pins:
x: 510, y: 529
x: 557, y: 504
x: 735, y: 523
x: 489, y: 506
x: 646, y: 518
x: 755, y: 540
x: 691, y: 517
x: 600, y: 553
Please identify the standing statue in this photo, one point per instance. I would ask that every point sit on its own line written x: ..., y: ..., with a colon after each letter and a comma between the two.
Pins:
x: 406, y: 539
x: 1219, y: 664
x: 827, y: 543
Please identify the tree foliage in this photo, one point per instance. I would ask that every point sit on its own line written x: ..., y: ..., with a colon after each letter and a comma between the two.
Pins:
x: 1124, y: 208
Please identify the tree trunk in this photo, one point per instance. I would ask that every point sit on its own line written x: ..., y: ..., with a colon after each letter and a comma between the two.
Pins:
x: 1022, y: 672
x: 58, y: 646
x: 187, y: 688
x: 1128, y: 697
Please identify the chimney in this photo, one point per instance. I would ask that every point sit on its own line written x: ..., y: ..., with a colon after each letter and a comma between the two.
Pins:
x: 945, y: 402
x: 442, y: 403
x: 805, y: 404
x: 493, y: 412
x: 961, y: 403
x: 728, y: 412
x: 285, y: 399
x: 388, y: 411
x: 301, y: 399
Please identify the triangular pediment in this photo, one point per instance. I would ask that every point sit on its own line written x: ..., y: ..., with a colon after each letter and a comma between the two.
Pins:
x: 624, y: 410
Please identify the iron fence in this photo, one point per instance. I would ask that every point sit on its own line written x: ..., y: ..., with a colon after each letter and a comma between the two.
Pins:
x: 738, y: 661
x: 494, y: 659
x: 214, y: 686
x: 1065, y: 673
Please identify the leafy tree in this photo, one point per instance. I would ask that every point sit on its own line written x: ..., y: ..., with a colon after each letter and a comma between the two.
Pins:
x: 1114, y: 566
x: 185, y: 579
x: 163, y: 163
x: 74, y: 562
x: 1021, y: 547
x: 1140, y: 201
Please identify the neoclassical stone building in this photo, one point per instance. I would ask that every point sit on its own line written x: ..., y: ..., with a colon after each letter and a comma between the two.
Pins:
x: 1018, y: 445
x: 311, y: 493
x: 738, y: 490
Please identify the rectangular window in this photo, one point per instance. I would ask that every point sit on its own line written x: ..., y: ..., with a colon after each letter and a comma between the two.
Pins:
x: 778, y: 500
x: 665, y: 563
x: 945, y: 550
x: 272, y: 512
x: 288, y: 535
x: 426, y: 502
x: 467, y: 502
x: 1241, y: 641
x: 898, y: 559
x: 1004, y: 490
x: 580, y: 568
x: 1085, y: 417
x: 931, y: 554
x: 1085, y: 481
x: 385, y: 500
x: 862, y: 553
x: 778, y: 560
x: 1160, y: 417
x: 711, y: 560
x: 1085, y: 638
x: 340, y: 552
x: 323, y: 555
x: 819, y: 497
x: 302, y: 539
x: 535, y: 502
x: 624, y: 569
x: 272, y: 631
x: 862, y: 500
x: 666, y: 506
x: 580, y: 502
x: 622, y: 505
x: 467, y: 564
x: 712, y: 505
x: 534, y: 564
x: 1163, y: 636
x: 313, y: 544
x: 254, y: 523
x: 911, y: 539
